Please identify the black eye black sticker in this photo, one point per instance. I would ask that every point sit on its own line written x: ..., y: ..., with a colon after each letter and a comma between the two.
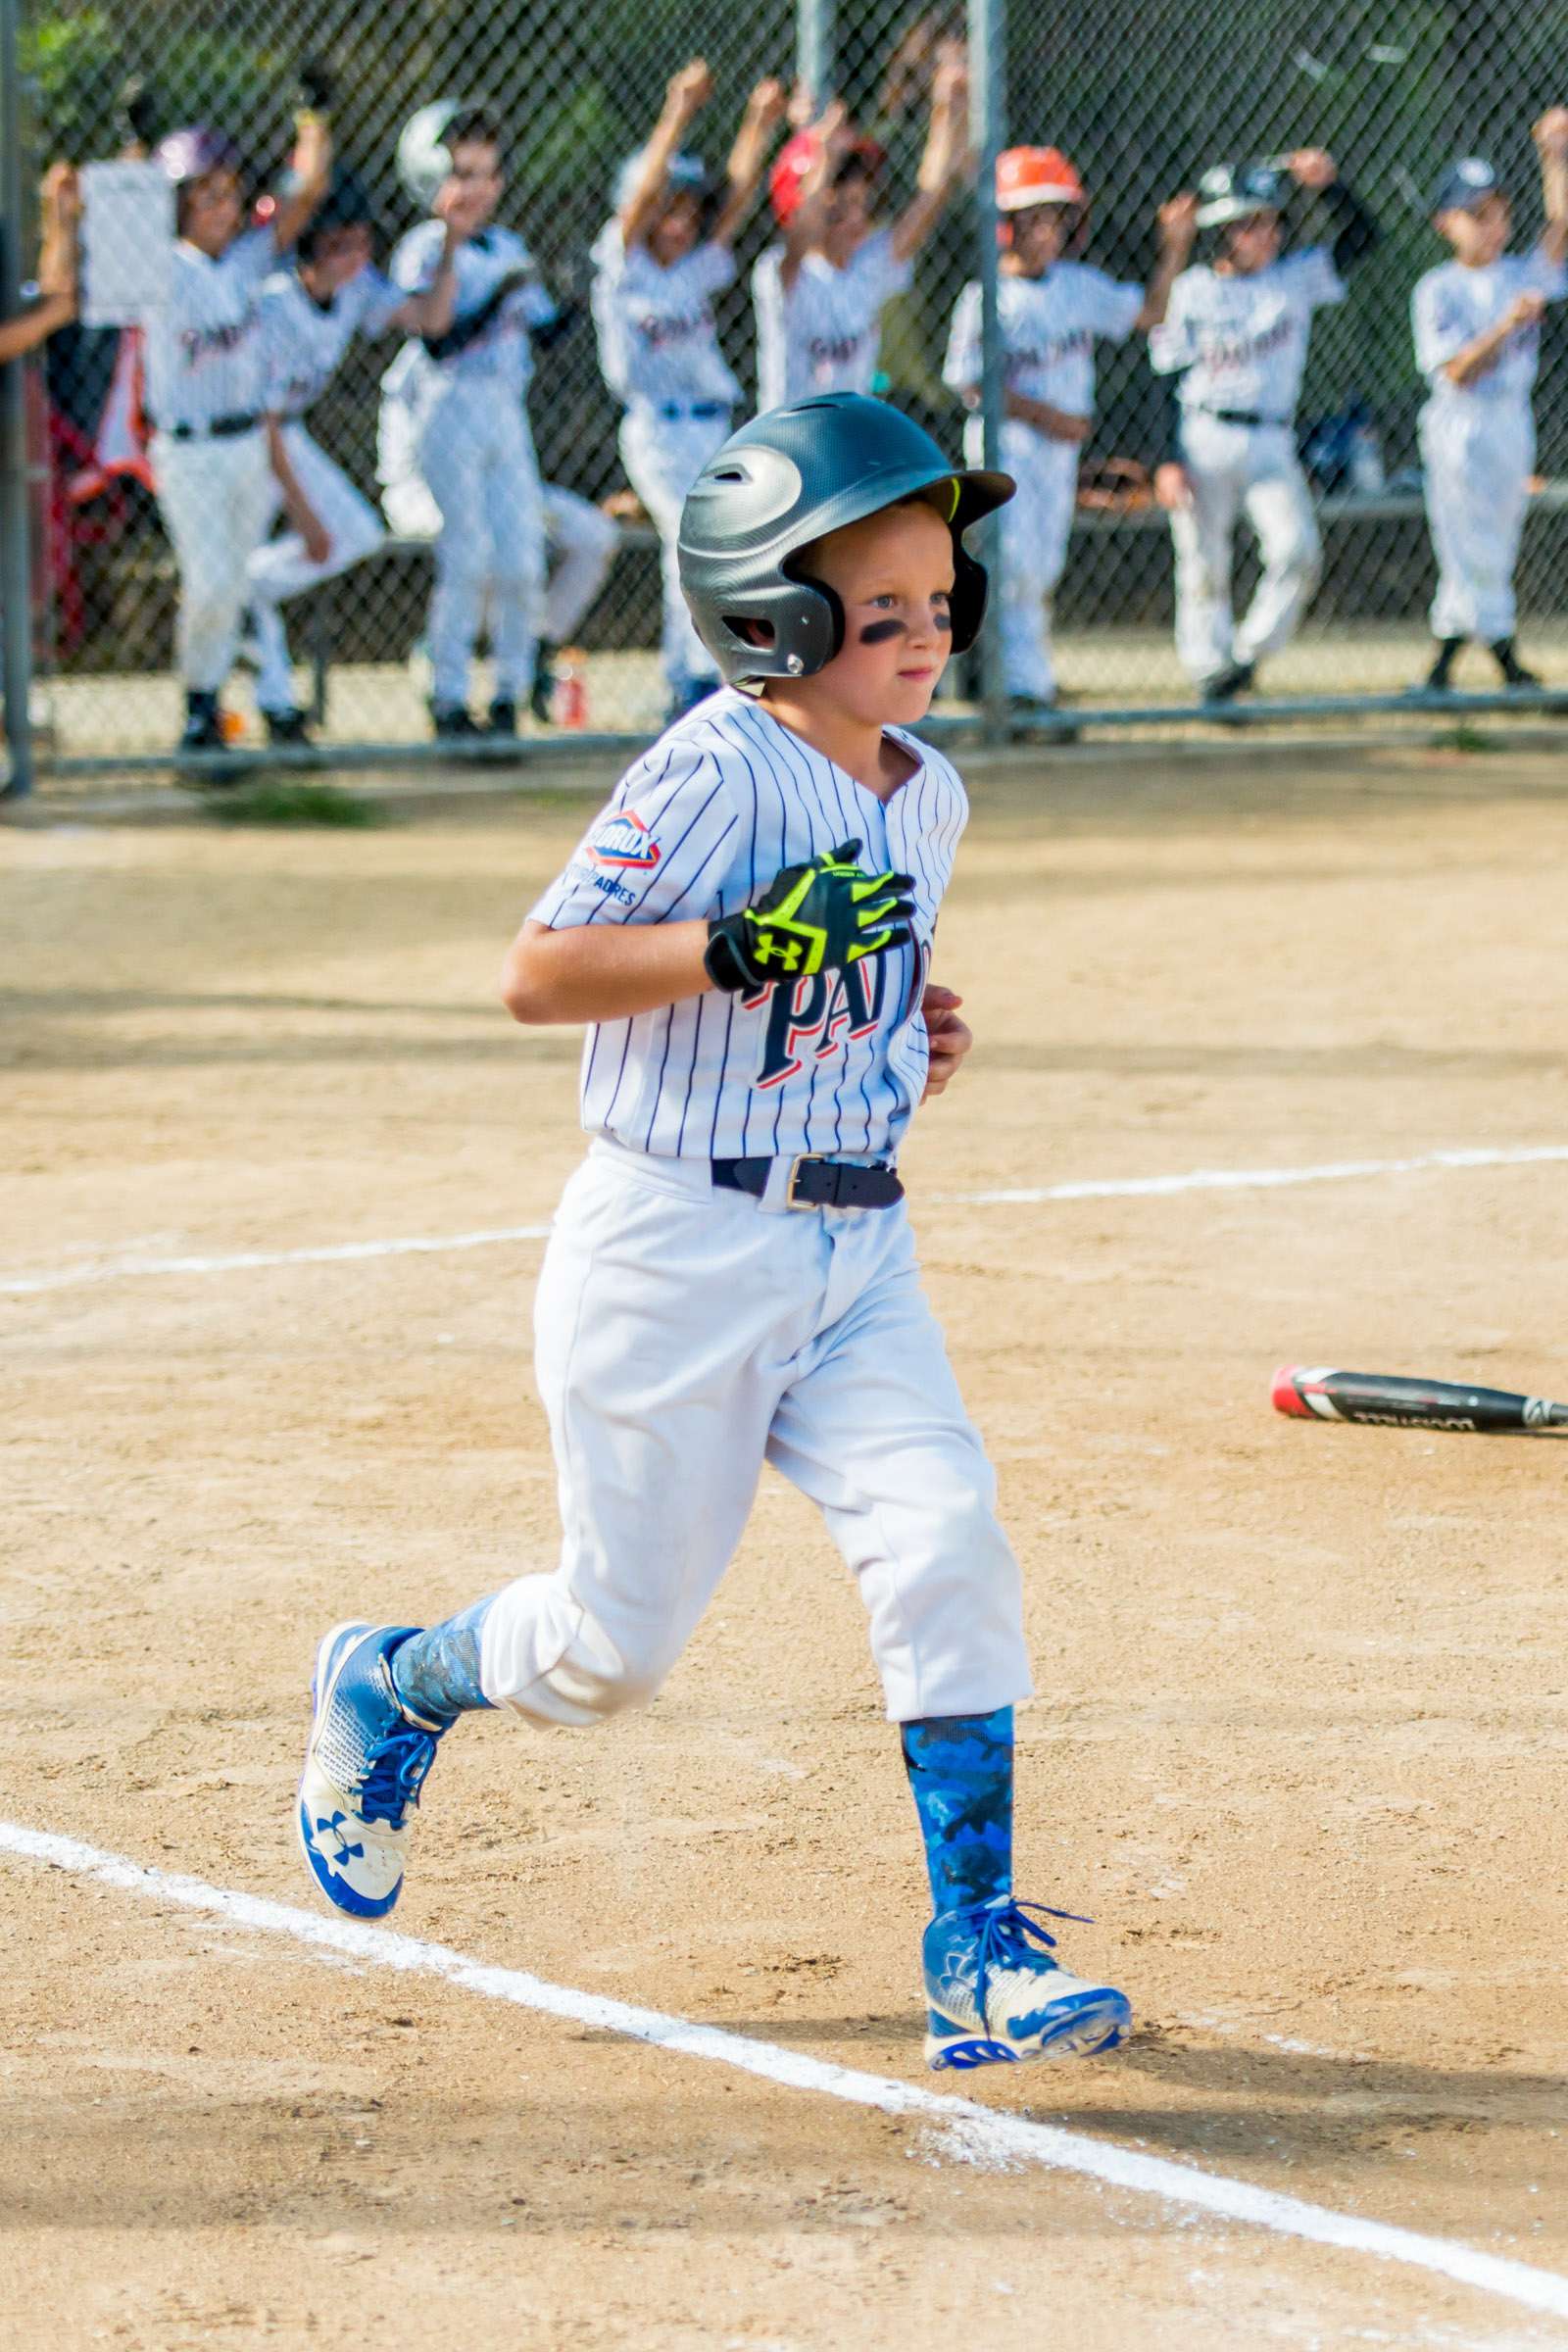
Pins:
x: 878, y: 632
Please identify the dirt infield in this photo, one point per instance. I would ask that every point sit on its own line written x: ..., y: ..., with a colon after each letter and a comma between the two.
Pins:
x: 1300, y: 1737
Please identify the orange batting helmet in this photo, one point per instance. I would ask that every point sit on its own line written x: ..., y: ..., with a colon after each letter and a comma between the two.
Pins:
x: 1031, y: 175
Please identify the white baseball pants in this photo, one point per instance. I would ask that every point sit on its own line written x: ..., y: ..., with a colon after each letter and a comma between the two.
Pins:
x: 280, y: 567
x: 1476, y: 458
x: 1036, y: 525
x: 214, y: 496
x: 1235, y: 471
x: 582, y: 544
x: 475, y: 453
x: 663, y: 457
x: 684, y: 1336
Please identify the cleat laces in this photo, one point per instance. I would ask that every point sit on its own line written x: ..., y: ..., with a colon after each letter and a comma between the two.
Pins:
x: 1007, y: 1936
x: 395, y: 1767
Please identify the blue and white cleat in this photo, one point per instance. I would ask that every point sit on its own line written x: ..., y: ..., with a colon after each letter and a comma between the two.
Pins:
x: 996, y: 1994
x: 364, y: 1765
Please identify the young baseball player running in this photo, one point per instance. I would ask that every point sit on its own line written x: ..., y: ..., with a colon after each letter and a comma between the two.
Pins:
x: 1477, y: 322
x: 747, y: 931
x: 658, y: 265
x: 465, y: 419
x: 819, y: 294
x: 1236, y: 333
x: 309, y: 315
x: 1052, y: 308
x: 205, y: 390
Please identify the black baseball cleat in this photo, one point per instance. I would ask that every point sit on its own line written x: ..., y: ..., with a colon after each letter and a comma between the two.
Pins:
x: 1514, y: 672
x: 1226, y: 684
x: 1040, y: 715
x: 452, y: 722
x: 541, y: 695
x: 286, y: 726
x: 204, y: 723
x: 503, y: 716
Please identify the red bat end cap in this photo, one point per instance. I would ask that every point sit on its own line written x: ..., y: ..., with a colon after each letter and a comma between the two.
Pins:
x: 1286, y: 1396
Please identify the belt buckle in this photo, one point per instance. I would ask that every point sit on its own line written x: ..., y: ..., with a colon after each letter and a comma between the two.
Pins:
x: 802, y: 1160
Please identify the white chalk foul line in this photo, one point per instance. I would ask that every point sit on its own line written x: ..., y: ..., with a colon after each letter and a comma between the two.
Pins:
x: 1255, y: 1180
x: 1109, y: 1188
x: 113, y: 1269
x: 977, y: 2134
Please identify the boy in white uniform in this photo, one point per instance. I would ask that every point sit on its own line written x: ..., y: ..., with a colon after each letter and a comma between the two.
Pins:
x: 309, y: 315
x: 1477, y: 322
x: 1052, y: 310
x: 204, y: 388
x: 1236, y: 332
x: 465, y: 419
x: 819, y: 294
x: 731, y: 1276
x: 658, y: 266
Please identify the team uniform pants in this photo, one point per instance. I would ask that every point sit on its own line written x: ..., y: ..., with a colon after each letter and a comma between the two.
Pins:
x: 580, y: 543
x: 1036, y: 524
x: 1476, y: 459
x: 1235, y: 471
x: 686, y: 1335
x: 280, y: 568
x: 663, y: 457
x: 215, y: 501
x: 474, y: 452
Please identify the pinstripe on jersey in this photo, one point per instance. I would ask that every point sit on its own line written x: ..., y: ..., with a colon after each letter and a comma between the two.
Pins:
x: 697, y: 827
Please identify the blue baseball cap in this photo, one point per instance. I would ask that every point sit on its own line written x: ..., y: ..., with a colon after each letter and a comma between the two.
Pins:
x: 1464, y: 185
x: 1236, y: 191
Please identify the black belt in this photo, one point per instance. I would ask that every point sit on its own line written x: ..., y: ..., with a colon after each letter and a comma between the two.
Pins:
x: 222, y: 428
x: 814, y: 1182
x: 1240, y: 417
x: 677, y: 409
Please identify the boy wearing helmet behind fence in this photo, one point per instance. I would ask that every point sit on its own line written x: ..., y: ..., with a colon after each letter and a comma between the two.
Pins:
x: 454, y: 411
x: 658, y: 266
x: 1237, y: 333
x: 309, y: 315
x: 1477, y: 322
x: 820, y: 293
x: 747, y: 932
x: 1052, y: 310
x: 205, y: 390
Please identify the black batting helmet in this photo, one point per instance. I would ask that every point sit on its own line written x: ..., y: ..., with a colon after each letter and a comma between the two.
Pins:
x: 345, y: 205
x: 790, y: 476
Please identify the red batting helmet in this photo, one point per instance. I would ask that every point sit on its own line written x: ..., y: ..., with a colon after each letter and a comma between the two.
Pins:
x: 794, y: 159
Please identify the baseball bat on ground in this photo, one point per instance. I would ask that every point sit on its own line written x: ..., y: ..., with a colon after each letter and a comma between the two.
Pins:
x: 1388, y: 1401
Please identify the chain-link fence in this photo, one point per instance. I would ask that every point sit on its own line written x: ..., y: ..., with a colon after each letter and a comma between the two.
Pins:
x: 1141, y: 100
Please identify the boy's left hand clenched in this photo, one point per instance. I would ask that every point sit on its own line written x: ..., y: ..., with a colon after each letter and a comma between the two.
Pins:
x: 950, y: 1037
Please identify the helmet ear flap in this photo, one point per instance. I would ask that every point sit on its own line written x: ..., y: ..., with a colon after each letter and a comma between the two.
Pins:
x: 968, y: 602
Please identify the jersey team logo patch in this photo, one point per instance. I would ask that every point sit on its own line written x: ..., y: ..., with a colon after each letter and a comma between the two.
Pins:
x: 625, y: 844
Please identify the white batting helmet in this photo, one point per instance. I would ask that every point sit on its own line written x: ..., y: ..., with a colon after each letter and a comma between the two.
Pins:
x: 688, y: 172
x: 425, y: 160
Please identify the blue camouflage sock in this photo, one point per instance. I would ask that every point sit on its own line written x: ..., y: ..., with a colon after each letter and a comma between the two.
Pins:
x: 961, y: 1771
x: 436, y: 1674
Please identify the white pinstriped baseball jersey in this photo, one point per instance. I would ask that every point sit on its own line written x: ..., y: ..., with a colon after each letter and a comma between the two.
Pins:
x: 302, y: 340
x: 658, y: 342
x: 204, y: 348
x: 1452, y: 305
x: 1239, y: 342
x: 824, y: 335
x: 501, y: 356
x: 1048, y: 327
x: 697, y: 827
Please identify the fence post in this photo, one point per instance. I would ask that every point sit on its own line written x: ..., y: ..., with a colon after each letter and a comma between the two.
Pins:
x: 814, y: 61
x: 988, y: 130
x: 16, y: 586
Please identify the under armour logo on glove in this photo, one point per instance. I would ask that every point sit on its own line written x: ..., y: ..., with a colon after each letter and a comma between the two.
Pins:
x: 812, y: 919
